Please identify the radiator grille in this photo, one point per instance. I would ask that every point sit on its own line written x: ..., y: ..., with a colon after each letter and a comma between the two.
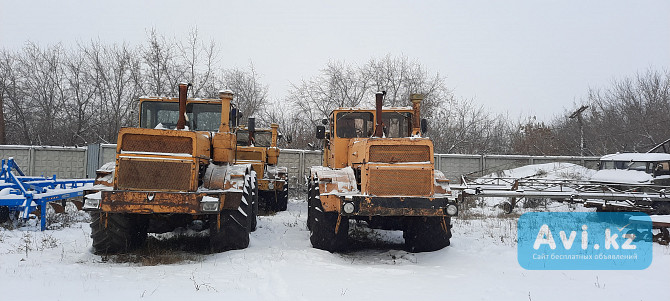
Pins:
x: 399, y: 153
x: 157, y: 144
x: 412, y: 182
x: 154, y: 175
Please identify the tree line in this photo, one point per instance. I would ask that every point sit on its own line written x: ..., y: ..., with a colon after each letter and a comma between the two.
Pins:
x: 57, y: 96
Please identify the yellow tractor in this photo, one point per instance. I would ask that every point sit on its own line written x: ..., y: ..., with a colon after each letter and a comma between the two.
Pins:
x: 176, y: 170
x: 258, y: 147
x: 377, y: 168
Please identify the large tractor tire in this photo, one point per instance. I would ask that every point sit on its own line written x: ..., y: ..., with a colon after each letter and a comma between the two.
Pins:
x: 230, y: 229
x: 282, y: 199
x: 4, y: 214
x: 312, y: 193
x: 661, y: 208
x: 254, y: 200
x: 116, y: 232
x: 427, y: 234
x: 323, y: 227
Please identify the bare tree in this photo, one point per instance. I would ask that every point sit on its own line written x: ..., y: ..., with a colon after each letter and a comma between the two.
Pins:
x: 400, y: 77
x: 199, y: 61
x: 162, y: 70
x: 250, y: 94
x: 81, y: 91
x: 42, y: 74
x: 113, y: 68
x: 631, y: 115
x: 460, y: 126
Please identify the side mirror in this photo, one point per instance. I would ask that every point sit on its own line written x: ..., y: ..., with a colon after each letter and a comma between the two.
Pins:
x: 424, y: 126
x: 324, y: 121
x: 320, y: 132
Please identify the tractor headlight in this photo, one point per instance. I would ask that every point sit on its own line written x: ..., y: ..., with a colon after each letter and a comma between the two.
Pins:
x: 452, y: 209
x: 91, y: 204
x: 349, y: 208
x: 271, y: 186
x: 92, y: 201
x: 209, y: 206
x: 209, y: 203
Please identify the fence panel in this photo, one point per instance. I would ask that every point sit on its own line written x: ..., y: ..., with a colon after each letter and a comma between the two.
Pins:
x: 70, y: 162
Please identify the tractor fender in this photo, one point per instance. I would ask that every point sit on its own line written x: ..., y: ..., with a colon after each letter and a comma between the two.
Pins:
x: 226, y: 177
x: 441, y: 184
x: 335, y: 181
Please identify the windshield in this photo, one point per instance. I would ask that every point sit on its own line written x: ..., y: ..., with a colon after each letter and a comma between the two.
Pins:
x: 629, y: 165
x: 201, y: 116
x: 261, y: 138
x: 354, y: 124
x: 396, y: 125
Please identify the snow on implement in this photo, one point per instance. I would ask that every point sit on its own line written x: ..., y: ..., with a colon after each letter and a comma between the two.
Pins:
x: 176, y: 170
x: 24, y: 194
x: 624, y: 182
x: 377, y: 168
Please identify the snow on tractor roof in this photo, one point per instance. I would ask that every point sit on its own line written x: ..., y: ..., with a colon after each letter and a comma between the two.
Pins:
x: 636, y: 157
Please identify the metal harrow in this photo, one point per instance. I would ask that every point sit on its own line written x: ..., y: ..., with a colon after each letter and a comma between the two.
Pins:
x: 24, y: 194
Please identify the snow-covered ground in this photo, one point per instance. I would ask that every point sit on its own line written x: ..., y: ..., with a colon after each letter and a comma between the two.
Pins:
x: 548, y: 171
x: 280, y: 264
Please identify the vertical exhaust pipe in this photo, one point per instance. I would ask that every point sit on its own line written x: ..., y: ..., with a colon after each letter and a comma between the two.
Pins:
x: 226, y: 97
x: 416, y: 107
x: 379, y: 125
x: 183, y: 90
x: 251, y: 127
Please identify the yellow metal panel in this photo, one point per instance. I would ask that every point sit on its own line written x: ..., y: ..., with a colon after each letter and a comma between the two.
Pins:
x: 222, y: 147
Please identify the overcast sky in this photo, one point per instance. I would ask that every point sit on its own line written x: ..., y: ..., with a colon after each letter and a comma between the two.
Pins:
x: 523, y: 57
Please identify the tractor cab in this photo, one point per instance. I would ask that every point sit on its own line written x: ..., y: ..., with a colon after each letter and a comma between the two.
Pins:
x: 201, y: 114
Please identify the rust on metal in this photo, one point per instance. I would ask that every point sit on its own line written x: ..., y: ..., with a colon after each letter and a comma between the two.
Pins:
x: 137, y: 173
x: 330, y: 203
x: 400, y: 153
x: 226, y: 98
x: 416, y: 107
x: 391, y: 180
x: 371, y: 206
x: 157, y: 144
x: 263, y: 184
x: 183, y: 90
x: 379, y: 125
x: 124, y: 201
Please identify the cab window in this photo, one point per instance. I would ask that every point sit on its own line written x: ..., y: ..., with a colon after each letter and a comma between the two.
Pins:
x: 396, y: 124
x: 201, y: 116
x: 354, y: 124
x: 261, y: 138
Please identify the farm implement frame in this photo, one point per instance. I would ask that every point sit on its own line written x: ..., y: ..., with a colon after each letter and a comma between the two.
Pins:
x: 24, y: 194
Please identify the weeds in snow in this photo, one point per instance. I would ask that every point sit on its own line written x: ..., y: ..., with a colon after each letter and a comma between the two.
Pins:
x: 597, y: 283
x: 28, y: 243
x: 166, y: 248
x: 202, y: 285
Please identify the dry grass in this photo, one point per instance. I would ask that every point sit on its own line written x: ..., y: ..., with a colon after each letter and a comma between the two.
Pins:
x: 163, y: 251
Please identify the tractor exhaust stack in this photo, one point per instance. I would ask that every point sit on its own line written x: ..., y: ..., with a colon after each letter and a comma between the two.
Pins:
x: 416, y: 106
x: 183, y: 91
x: 379, y: 127
x: 226, y: 96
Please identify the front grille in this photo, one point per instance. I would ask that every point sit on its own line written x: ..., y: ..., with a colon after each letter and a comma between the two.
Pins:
x: 402, y: 182
x: 154, y: 175
x: 399, y: 153
x: 156, y: 144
